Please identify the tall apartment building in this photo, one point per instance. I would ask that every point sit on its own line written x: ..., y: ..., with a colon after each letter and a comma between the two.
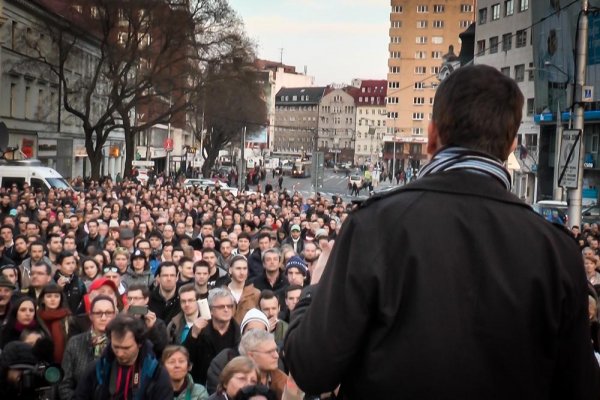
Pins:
x: 421, y: 33
x: 337, y: 116
x: 503, y: 40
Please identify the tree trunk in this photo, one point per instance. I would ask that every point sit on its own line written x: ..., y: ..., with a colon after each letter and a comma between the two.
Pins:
x: 209, y: 161
x: 95, y: 161
x: 129, y: 152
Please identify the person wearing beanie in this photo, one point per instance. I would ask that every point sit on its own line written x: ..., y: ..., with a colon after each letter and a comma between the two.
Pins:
x: 254, y: 319
x: 295, y: 271
x: 295, y: 239
x: 138, y: 270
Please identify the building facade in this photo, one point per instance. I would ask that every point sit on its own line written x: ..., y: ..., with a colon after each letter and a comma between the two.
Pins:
x: 421, y: 33
x: 30, y: 103
x: 502, y: 41
x: 371, y: 118
x: 296, y: 120
x: 337, y: 124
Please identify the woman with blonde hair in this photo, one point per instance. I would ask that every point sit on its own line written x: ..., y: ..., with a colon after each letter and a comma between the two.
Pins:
x: 237, y: 374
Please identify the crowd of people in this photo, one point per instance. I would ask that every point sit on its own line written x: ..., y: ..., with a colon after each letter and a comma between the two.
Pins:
x: 153, y: 292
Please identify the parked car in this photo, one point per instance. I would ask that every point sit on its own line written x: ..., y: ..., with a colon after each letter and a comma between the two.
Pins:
x: 591, y: 215
x: 547, y: 207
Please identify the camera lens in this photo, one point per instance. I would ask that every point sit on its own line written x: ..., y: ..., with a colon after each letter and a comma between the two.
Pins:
x: 53, y: 375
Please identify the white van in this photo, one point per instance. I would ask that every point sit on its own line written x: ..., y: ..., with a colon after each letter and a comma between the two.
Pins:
x: 33, y: 172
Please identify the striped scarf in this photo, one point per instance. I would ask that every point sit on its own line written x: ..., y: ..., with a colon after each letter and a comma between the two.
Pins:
x: 459, y: 158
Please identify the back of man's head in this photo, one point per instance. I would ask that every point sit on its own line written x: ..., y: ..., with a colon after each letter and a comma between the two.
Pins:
x: 124, y: 323
x: 479, y: 108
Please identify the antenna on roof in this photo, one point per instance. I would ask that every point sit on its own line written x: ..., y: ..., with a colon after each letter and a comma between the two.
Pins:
x: 281, y: 55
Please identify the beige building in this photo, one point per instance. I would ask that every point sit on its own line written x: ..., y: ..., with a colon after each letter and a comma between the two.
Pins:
x: 371, y: 118
x: 337, y: 123
x: 421, y: 33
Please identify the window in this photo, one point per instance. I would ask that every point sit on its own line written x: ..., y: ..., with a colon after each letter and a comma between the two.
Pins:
x: 520, y: 72
x: 464, y: 23
x: 438, y: 8
x: 417, y: 131
x: 396, y: 24
x: 437, y: 39
x: 494, y: 45
x: 395, y: 39
x: 466, y: 8
x: 13, y: 99
x: 521, y: 38
x: 530, y: 106
x: 421, y: 24
x: 495, y: 12
x: 394, y: 54
x: 480, y: 48
x: 482, y: 16
x: 422, y: 8
x: 505, y: 71
x: 506, y: 42
x: 523, y: 5
x: 418, y: 101
x: 420, y: 70
x: 394, y: 70
x: 397, y: 9
x: 435, y: 70
x: 394, y: 85
x: 421, y: 39
x: 418, y: 116
x: 509, y: 7
x: 436, y: 55
x: 392, y: 100
x: 438, y: 24
x: 420, y: 55
x: 530, y: 72
x: 419, y: 85
x: 122, y: 38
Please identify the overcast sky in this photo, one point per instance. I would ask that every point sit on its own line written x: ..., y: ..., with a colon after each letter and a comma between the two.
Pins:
x: 336, y: 40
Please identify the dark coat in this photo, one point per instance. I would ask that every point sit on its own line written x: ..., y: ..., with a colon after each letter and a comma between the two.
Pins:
x: 74, y: 291
x: 255, y: 265
x: 79, y: 354
x: 451, y: 280
x: 203, y: 349
x: 154, y: 380
x: 164, y: 309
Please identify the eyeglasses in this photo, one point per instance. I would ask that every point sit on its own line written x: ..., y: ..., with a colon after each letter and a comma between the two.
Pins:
x: 110, y: 269
x: 271, y: 352
x: 103, y: 314
x: 223, y: 306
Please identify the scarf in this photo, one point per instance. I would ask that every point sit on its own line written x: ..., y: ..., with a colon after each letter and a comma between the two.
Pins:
x: 19, y: 327
x: 459, y: 158
x: 53, y: 320
x: 99, y: 342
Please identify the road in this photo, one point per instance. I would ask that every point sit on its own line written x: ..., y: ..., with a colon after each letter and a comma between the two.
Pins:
x: 333, y: 185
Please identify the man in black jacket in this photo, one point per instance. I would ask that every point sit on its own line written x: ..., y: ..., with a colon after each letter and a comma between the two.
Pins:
x: 500, y: 313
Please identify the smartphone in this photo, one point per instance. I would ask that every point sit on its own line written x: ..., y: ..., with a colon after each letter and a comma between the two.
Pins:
x: 138, y: 310
x: 204, y: 308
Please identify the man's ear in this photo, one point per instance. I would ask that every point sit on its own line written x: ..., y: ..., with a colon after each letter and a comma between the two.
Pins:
x: 433, y: 138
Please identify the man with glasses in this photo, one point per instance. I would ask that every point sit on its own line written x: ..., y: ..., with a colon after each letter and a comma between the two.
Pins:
x: 86, y: 347
x: 138, y: 295
x: 22, y: 225
x: 41, y: 275
x: 207, y: 338
x: 164, y: 300
x: 261, y: 348
x: 181, y: 325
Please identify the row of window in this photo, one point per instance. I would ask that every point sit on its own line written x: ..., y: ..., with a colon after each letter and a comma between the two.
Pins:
x: 496, y: 10
x: 296, y: 108
x: 295, y: 98
x: 415, y: 131
x: 381, y: 111
x: 521, y: 41
x: 293, y: 119
x: 437, y: 8
x: 519, y: 72
x: 416, y: 116
x: 423, y: 24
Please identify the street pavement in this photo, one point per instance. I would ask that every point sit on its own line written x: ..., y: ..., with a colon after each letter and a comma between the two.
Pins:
x: 334, y: 184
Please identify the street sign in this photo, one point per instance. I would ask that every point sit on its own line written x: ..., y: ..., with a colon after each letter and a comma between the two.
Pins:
x: 142, y: 163
x: 569, y: 158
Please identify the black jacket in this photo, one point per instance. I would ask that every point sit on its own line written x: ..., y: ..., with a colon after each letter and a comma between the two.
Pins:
x: 449, y: 288
x: 255, y: 265
x: 74, y: 291
x: 164, y: 309
x: 203, y: 349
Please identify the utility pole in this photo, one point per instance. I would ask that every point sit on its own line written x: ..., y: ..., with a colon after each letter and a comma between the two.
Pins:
x: 575, y: 195
x: 242, y: 176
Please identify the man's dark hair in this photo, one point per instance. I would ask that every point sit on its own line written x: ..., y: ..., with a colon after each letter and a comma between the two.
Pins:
x: 291, y: 288
x: 263, y: 235
x: 480, y: 108
x: 178, y: 249
x: 37, y: 243
x: 93, y: 221
x: 267, y: 294
x: 43, y: 264
x: 52, y: 235
x: 124, y: 323
x: 224, y: 241
x: 165, y: 264
x: 244, y: 235
x: 201, y: 263
x: 63, y: 255
x: 208, y: 250
x: 6, y: 226
x: 185, y: 259
x: 141, y: 287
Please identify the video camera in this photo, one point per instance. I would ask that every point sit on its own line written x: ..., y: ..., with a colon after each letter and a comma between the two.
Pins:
x: 39, y: 381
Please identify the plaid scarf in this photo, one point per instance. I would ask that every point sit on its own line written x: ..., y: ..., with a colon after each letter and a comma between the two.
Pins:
x: 457, y: 158
x: 99, y: 342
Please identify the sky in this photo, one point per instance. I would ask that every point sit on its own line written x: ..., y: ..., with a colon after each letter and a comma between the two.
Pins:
x: 337, y: 40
